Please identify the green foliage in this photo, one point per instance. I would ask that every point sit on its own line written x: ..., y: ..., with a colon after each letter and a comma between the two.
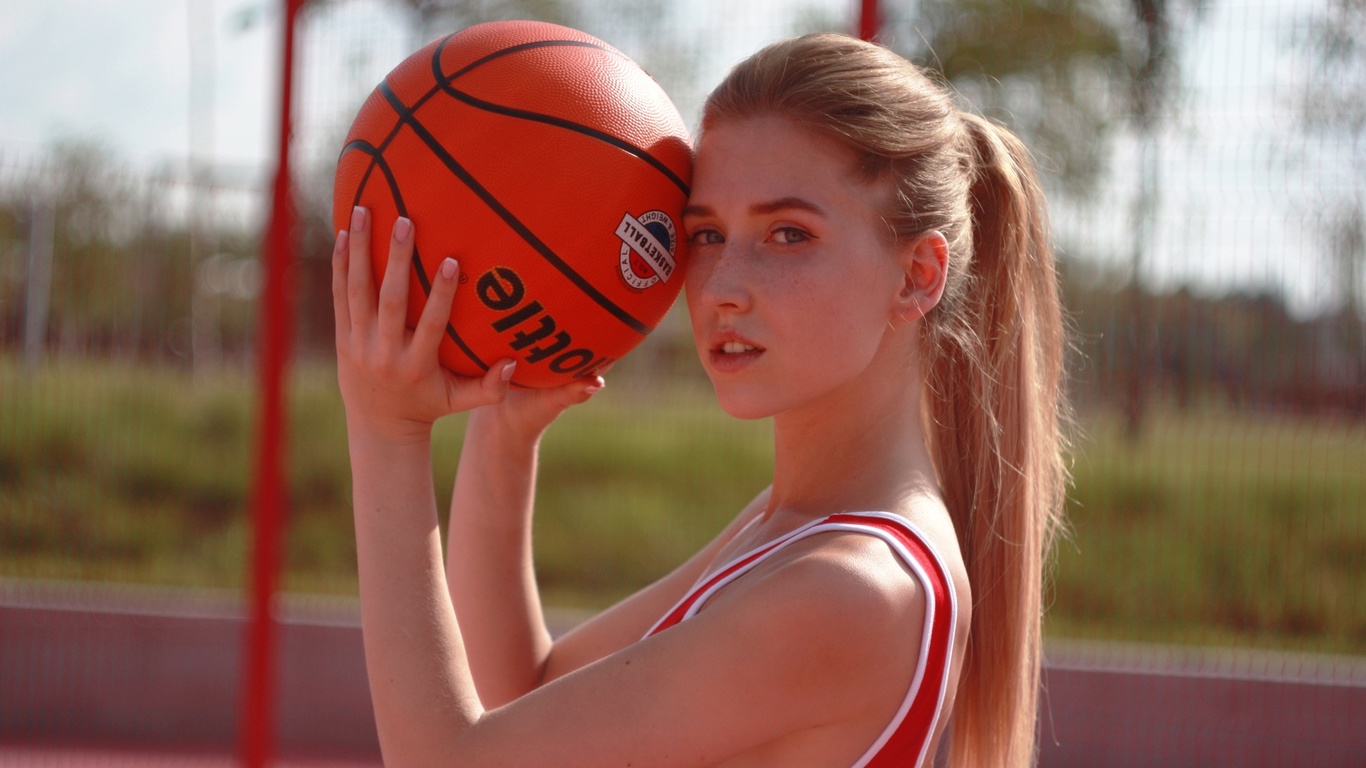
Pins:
x: 1333, y: 103
x: 120, y: 473
x: 122, y: 265
x: 1048, y: 69
x: 638, y: 489
x: 1218, y: 527
x: 1334, y: 36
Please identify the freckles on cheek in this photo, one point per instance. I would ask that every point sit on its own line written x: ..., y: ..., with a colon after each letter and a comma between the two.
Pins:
x: 829, y: 302
x: 694, y: 281
x: 841, y: 320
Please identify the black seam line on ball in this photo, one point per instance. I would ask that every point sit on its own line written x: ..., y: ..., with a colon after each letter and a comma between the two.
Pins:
x: 441, y: 47
x: 569, y: 125
x: 439, y: 79
x: 443, y: 82
x: 406, y: 117
x: 377, y: 160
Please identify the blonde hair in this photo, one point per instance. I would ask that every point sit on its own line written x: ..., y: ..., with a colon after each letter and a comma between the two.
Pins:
x: 992, y: 348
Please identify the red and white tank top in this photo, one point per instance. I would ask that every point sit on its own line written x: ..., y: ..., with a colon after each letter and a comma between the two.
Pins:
x: 906, y: 739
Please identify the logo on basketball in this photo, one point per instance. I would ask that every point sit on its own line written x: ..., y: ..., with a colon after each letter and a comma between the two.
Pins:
x: 647, y: 249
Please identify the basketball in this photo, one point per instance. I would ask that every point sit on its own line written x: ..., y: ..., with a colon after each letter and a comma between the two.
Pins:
x: 553, y: 168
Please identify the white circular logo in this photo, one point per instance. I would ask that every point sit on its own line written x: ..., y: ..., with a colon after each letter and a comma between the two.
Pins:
x: 647, y: 249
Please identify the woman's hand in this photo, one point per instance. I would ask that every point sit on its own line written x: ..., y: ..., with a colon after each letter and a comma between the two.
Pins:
x: 392, y: 383
x: 525, y: 413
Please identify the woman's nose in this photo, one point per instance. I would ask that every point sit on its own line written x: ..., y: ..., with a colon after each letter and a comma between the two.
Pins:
x: 717, y: 279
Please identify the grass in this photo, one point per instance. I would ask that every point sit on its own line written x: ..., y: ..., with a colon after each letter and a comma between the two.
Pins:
x: 1216, y: 528
x: 115, y: 473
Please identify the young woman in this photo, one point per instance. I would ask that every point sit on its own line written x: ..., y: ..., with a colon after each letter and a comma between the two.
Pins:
x: 870, y: 268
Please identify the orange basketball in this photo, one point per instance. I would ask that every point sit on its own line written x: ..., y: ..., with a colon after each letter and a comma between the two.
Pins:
x: 553, y: 168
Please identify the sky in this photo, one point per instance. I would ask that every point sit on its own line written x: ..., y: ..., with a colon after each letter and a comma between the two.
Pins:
x: 119, y: 71
x: 1236, y: 193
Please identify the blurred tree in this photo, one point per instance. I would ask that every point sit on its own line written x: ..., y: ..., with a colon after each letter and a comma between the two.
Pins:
x: 13, y: 268
x: 121, y: 279
x: 1335, y: 96
x: 1154, y: 85
x: 1333, y: 103
x: 96, y: 206
x: 1050, y: 69
x: 1066, y: 74
x: 438, y: 17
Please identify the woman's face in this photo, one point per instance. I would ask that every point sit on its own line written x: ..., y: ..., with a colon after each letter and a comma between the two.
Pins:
x: 791, y: 286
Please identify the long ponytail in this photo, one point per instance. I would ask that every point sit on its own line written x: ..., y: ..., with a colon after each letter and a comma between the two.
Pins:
x: 994, y: 365
x: 992, y: 350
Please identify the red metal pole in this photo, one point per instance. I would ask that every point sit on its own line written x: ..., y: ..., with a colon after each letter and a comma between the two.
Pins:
x: 268, y: 505
x: 869, y: 21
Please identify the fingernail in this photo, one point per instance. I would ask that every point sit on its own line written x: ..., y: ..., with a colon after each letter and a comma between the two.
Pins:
x: 402, y: 228
x: 594, y: 387
x: 357, y: 218
x: 449, y: 268
x: 342, y: 240
x: 508, y: 370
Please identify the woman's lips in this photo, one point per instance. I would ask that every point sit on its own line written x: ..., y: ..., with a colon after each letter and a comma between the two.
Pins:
x: 737, y: 348
x: 733, y: 353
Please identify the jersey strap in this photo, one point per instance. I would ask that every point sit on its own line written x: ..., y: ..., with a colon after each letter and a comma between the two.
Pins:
x: 906, y: 739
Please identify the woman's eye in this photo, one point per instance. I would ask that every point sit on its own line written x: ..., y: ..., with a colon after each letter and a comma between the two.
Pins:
x: 706, y: 237
x: 789, y: 235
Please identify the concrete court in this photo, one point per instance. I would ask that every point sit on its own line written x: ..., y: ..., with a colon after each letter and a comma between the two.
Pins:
x: 123, y: 676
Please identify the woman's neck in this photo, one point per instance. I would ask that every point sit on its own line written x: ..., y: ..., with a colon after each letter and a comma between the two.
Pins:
x: 859, y: 448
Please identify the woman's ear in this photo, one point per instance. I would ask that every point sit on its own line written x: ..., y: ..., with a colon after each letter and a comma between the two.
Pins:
x: 925, y: 265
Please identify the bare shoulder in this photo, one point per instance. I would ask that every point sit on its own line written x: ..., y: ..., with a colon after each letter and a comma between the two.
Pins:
x: 839, y: 607
x: 843, y: 577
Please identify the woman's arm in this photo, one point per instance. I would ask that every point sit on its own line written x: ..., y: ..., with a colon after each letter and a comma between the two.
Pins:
x: 489, y: 563
x: 420, y: 684
x: 394, y: 390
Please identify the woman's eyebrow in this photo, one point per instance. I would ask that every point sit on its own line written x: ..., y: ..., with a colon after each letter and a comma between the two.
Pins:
x: 787, y: 203
x: 770, y: 206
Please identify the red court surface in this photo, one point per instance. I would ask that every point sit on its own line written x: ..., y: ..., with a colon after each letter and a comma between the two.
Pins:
x: 103, y: 676
x: 67, y: 757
